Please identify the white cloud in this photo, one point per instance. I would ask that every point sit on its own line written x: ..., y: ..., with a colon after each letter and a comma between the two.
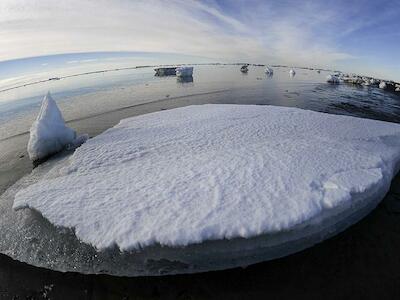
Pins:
x: 300, y: 33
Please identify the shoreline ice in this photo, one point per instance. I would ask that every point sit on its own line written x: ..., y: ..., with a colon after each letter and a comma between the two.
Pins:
x: 212, y: 172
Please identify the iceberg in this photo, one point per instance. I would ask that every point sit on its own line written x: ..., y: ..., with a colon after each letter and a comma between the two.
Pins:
x: 292, y: 72
x: 382, y: 85
x: 184, y: 71
x: 244, y: 69
x: 49, y: 134
x: 192, y: 175
x: 332, y: 79
x: 269, y: 71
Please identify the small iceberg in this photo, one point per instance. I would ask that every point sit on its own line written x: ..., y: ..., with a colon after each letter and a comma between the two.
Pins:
x: 184, y: 71
x: 292, y: 72
x: 49, y: 134
x: 382, y: 85
x: 332, y: 79
x: 269, y: 71
x: 397, y: 88
x: 244, y: 69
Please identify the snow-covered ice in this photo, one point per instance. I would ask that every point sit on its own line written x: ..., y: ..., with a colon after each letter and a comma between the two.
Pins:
x: 332, y: 79
x: 382, y: 85
x: 49, y: 134
x: 184, y: 71
x: 211, y: 172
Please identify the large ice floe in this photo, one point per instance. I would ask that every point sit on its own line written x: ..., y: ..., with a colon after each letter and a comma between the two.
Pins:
x: 212, y: 187
x: 49, y: 134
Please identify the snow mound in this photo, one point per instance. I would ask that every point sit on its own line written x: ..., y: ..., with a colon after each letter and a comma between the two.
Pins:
x: 49, y: 134
x: 211, y: 172
x: 184, y: 71
x: 332, y: 79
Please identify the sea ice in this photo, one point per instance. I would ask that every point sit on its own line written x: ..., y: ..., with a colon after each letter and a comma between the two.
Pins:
x: 213, y: 172
x: 184, y: 71
x: 382, y: 85
x: 49, y: 134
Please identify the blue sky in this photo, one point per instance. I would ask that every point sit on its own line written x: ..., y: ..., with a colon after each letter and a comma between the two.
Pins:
x: 354, y: 36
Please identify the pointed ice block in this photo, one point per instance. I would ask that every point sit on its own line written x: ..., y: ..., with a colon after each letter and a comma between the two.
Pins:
x: 49, y: 134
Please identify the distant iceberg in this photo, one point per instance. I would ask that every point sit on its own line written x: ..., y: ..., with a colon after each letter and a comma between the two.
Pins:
x: 382, y: 85
x: 269, y: 71
x: 292, y: 72
x: 49, y: 134
x: 332, y: 79
x: 184, y: 71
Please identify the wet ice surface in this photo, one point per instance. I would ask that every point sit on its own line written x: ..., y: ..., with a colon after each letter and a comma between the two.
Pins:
x: 107, y: 105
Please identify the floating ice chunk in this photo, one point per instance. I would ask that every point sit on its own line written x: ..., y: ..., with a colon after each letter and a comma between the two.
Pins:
x: 213, y: 172
x: 292, y: 72
x: 332, y: 79
x: 269, y: 71
x: 184, y: 71
x: 49, y: 134
x: 382, y: 85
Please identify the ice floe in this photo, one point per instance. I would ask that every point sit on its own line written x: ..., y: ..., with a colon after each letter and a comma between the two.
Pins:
x: 49, y: 134
x: 214, y: 172
x: 382, y: 85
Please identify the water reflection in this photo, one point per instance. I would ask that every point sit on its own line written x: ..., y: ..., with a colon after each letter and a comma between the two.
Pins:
x: 184, y: 79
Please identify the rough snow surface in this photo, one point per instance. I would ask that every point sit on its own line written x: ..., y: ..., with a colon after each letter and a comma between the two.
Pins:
x: 184, y: 71
x: 49, y: 134
x: 214, y: 171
